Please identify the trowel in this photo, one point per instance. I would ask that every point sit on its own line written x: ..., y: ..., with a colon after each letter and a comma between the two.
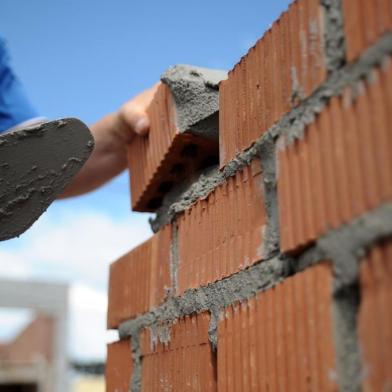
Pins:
x: 36, y: 164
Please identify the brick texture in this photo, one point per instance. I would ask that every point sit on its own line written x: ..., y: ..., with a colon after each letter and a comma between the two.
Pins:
x: 223, y: 233
x: 375, y: 318
x: 286, y: 65
x: 342, y: 167
x: 140, y: 280
x: 281, y: 340
x: 185, y: 363
x: 118, y: 368
x: 364, y: 22
x: 166, y: 156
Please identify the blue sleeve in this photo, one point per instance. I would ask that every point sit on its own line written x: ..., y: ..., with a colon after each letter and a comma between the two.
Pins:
x: 15, y: 108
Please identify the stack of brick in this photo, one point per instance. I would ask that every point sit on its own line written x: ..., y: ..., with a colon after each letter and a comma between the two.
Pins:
x: 271, y: 263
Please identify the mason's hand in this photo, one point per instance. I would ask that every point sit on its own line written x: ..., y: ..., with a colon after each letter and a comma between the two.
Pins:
x: 132, y: 115
x: 112, y: 134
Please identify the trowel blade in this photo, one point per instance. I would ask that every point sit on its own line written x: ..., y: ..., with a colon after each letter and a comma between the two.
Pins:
x: 36, y: 164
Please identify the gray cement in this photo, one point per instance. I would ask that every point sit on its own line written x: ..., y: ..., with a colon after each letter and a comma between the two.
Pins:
x: 184, y: 195
x: 348, y: 360
x: 268, y: 163
x: 196, y: 94
x: 334, y: 41
x: 35, y: 166
x: 218, y: 295
x: 136, y: 377
x: 349, y: 243
x: 174, y: 257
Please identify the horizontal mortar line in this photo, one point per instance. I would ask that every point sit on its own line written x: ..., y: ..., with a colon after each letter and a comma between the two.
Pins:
x: 239, y: 286
x: 291, y: 125
x: 346, y: 245
x: 351, y: 238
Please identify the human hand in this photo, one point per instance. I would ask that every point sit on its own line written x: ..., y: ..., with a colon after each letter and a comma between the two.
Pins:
x: 112, y: 134
x: 132, y: 116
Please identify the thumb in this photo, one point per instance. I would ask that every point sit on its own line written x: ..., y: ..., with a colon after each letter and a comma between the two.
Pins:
x: 133, y: 113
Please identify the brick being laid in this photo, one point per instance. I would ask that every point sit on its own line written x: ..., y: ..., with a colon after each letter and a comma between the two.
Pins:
x: 282, y: 339
x: 364, y: 22
x: 185, y: 362
x: 140, y: 279
x: 183, y: 135
x: 342, y: 167
x: 375, y: 318
x: 118, y: 369
x: 286, y: 65
x: 223, y: 233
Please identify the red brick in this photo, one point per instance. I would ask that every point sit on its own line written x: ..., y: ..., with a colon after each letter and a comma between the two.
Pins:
x: 118, y: 370
x: 375, y: 318
x: 280, y: 340
x: 185, y: 363
x: 140, y: 279
x: 342, y: 167
x: 222, y: 233
x: 364, y: 22
x: 262, y: 86
x: 173, y: 150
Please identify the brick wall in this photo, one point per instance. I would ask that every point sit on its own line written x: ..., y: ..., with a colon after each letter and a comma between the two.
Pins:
x: 271, y: 264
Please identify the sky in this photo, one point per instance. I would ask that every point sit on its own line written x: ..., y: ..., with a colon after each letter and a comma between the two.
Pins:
x: 84, y: 58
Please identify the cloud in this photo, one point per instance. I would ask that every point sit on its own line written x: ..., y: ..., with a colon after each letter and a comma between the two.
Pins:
x: 88, y: 334
x: 72, y: 247
x: 13, y: 265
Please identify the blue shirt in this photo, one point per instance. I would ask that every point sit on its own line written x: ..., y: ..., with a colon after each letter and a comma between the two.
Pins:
x: 15, y: 107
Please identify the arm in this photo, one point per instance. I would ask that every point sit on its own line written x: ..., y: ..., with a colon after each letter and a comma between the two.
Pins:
x: 112, y: 134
